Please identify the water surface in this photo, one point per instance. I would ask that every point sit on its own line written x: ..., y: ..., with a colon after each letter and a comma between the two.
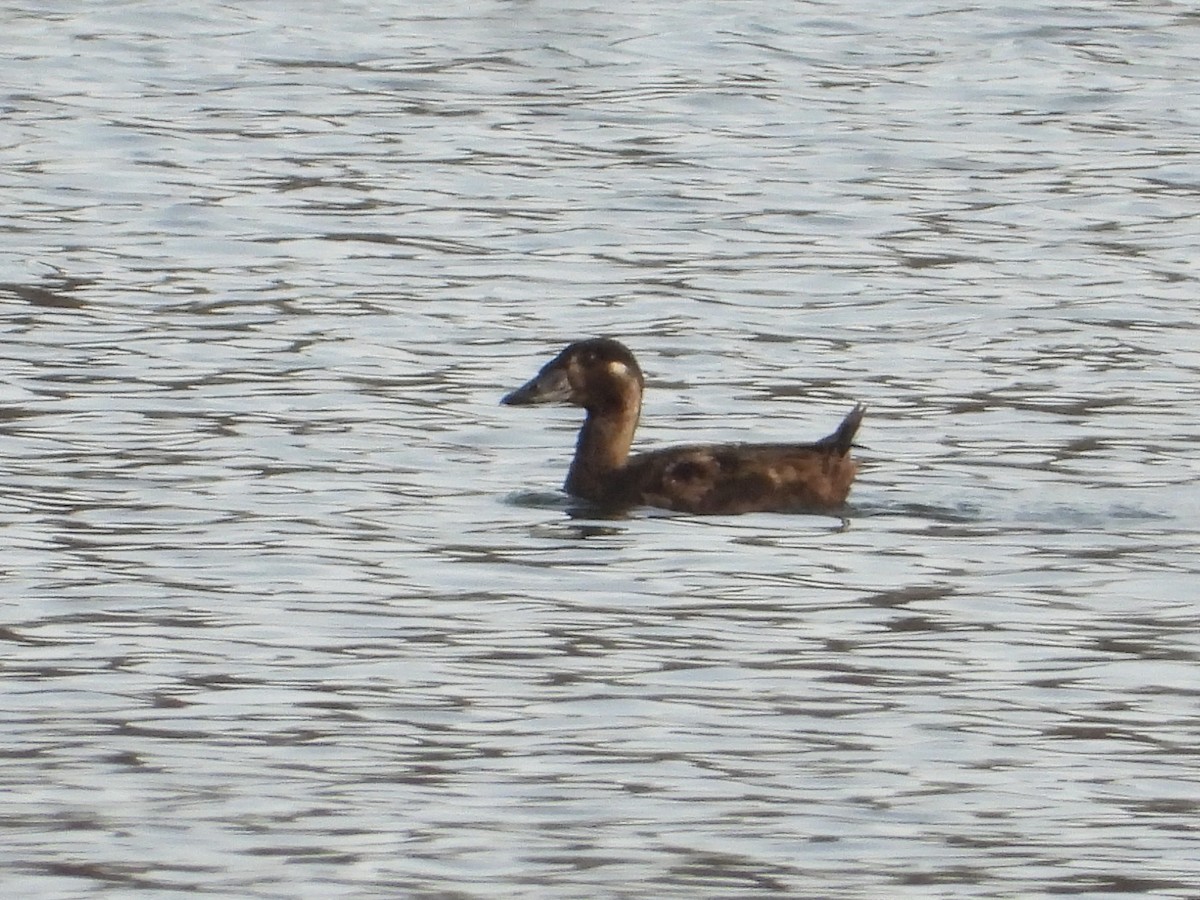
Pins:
x: 292, y: 608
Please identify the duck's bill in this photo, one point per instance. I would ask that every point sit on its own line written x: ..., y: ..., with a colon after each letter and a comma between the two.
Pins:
x: 545, y: 387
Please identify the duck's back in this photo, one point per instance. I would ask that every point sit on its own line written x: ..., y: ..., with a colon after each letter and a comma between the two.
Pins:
x: 738, y: 478
x: 735, y: 478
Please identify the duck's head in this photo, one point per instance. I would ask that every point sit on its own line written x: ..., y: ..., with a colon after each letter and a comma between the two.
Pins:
x: 597, y: 374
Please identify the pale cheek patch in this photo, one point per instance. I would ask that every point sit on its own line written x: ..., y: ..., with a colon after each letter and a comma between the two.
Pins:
x: 618, y: 369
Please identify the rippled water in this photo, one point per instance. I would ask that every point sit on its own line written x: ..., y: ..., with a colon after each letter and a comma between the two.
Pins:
x: 291, y: 606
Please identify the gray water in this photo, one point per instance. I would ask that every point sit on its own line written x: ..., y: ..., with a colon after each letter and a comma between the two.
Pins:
x: 291, y: 608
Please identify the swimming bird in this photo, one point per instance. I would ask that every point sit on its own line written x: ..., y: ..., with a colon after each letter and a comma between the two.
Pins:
x: 602, y: 376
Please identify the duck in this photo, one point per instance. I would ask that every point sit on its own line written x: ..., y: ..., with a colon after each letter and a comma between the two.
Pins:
x: 602, y: 376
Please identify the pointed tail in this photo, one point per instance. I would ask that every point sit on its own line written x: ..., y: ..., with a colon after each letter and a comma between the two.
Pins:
x: 843, y: 438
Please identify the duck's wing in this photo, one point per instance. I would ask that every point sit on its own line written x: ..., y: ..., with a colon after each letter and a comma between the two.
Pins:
x: 739, y: 478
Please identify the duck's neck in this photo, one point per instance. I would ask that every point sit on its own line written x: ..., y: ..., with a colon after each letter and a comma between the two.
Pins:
x: 602, y: 448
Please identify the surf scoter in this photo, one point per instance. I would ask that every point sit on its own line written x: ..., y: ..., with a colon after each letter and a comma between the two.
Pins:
x: 602, y: 376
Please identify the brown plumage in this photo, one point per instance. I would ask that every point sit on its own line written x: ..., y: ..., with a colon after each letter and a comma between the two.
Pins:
x: 602, y: 376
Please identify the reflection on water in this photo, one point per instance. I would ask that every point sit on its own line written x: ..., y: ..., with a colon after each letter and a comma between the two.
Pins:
x: 292, y: 607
